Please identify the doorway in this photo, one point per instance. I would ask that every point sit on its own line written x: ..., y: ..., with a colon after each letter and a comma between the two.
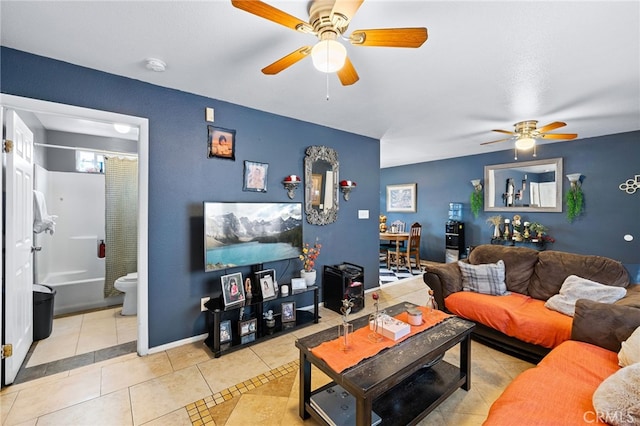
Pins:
x: 105, y: 118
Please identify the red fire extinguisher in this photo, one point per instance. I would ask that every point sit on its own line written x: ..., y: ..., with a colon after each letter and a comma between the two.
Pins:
x: 101, y: 249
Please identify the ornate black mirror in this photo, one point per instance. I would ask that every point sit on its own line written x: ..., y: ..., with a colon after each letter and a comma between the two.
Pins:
x: 321, y: 185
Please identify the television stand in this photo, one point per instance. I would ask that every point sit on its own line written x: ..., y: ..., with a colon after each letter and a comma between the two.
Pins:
x: 255, y: 308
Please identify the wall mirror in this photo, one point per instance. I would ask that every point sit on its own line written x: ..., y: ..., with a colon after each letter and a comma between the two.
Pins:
x: 530, y: 186
x: 321, y: 185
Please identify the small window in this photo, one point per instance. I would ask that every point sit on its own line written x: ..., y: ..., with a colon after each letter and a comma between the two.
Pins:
x: 89, y: 162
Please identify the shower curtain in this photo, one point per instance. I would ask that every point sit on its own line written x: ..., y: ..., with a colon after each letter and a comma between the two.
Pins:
x: 121, y: 193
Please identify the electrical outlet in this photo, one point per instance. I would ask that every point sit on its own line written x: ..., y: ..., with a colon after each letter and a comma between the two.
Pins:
x: 202, y: 302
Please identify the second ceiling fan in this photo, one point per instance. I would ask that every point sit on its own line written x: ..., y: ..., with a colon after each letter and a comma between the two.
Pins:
x: 328, y: 20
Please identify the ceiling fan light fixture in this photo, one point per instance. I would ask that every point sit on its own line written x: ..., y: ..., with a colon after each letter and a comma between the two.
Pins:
x: 525, y: 142
x: 328, y: 56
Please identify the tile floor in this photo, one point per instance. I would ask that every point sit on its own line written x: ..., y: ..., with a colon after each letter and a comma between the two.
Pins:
x: 255, y: 385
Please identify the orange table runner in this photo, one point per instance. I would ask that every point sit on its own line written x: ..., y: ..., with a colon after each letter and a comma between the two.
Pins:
x: 361, y: 347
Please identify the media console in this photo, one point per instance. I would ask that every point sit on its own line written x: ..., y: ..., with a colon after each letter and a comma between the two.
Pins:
x: 255, y: 308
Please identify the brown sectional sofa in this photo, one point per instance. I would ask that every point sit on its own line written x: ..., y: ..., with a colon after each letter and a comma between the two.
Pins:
x: 560, y: 389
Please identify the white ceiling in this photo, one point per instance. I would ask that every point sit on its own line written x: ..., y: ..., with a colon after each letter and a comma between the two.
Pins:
x: 486, y: 65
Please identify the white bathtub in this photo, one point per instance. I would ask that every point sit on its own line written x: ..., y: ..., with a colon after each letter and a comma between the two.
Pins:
x: 78, y: 291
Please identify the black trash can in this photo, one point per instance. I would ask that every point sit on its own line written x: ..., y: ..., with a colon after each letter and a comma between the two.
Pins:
x: 43, y: 297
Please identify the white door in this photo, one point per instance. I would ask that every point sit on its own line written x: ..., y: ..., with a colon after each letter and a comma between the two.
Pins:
x: 1, y: 250
x: 18, y: 285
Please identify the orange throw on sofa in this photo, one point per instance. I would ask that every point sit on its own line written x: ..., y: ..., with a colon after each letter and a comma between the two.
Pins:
x: 515, y: 315
x: 558, y: 391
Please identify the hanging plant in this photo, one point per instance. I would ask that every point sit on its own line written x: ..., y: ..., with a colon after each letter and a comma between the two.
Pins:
x: 477, y: 202
x: 575, y: 202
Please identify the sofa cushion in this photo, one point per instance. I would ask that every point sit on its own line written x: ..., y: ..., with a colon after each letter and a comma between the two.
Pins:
x: 486, y: 279
x: 603, y: 324
x: 575, y: 287
x: 515, y: 315
x: 630, y: 350
x: 617, y: 399
x: 519, y: 263
x: 558, y: 391
x: 554, y: 267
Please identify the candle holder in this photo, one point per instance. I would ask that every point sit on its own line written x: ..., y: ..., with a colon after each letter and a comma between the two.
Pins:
x: 374, y: 321
x: 346, y: 186
x: 291, y: 183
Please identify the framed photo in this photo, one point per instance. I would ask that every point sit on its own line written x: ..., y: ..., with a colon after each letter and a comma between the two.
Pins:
x: 221, y: 143
x: 289, y: 312
x: 267, y: 287
x: 248, y: 338
x: 255, y: 176
x: 402, y: 198
x: 225, y: 331
x: 265, y: 280
x: 298, y: 284
x: 232, y: 289
x: 316, y: 189
x: 248, y: 326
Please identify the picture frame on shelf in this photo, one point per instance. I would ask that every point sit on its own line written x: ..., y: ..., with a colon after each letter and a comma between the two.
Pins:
x: 249, y: 326
x: 221, y: 143
x: 402, y: 198
x: 288, y: 312
x: 255, y: 176
x: 225, y: 331
x: 248, y: 338
x: 266, y: 282
x: 298, y: 284
x: 232, y: 289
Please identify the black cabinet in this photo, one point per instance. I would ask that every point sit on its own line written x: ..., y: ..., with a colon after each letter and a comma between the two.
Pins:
x: 344, y: 281
x: 254, y: 308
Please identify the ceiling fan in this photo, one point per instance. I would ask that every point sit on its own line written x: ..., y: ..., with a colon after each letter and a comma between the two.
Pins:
x: 526, y: 133
x: 328, y: 20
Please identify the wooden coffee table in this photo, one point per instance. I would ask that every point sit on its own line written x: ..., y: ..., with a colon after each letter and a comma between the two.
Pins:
x: 400, y: 383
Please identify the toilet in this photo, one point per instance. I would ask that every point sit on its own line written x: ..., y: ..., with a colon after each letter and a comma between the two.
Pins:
x: 129, y: 286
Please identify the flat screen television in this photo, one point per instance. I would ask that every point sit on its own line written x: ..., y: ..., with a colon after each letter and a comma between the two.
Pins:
x: 241, y: 234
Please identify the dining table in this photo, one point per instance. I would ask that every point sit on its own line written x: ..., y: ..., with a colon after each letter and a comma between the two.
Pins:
x: 397, y: 237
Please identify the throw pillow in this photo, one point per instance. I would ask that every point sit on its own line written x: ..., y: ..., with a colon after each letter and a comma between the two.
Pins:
x: 630, y: 351
x: 486, y: 279
x: 617, y: 399
x: 575, y: 287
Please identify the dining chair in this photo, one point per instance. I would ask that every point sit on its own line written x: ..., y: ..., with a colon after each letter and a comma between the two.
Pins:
x: 412, y: 248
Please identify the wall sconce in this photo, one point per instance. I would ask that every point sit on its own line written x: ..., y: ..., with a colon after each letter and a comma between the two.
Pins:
x: 346, y: 186
x: 291, y: 183
x: 476, y: 184
x: 574, y: 178
x: 476, y: 198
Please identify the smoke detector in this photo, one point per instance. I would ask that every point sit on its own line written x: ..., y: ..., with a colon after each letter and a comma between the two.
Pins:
x: 156, y: 65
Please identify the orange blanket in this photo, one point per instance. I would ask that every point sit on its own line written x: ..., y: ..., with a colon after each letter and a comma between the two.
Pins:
x: 362, y: 347
x: 515, y: 315
x: 558, y: 391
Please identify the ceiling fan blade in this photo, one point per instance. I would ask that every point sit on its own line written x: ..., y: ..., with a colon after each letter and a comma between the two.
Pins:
x: 551, y: 126
x: 559, y: 136
x: 273, y: 14
x: 347, y: 74
x: 503, y: 131
x: 390, y: 37
x: 499, y: 140
x: 345, y: 9
x: 287, y: 61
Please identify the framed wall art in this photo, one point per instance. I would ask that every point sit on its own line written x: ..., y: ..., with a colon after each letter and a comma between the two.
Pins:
x: 255, y: 176
x: 289, y: 312
x: 402, y: 198
x: 232, y: 289
x: 221, y: 143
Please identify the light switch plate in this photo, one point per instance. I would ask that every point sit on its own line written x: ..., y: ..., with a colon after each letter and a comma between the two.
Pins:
x: 363, y: 214
x: 209, y: 115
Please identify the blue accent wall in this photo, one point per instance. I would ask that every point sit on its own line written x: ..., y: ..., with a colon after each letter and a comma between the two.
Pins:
x: 605, y: 162
x: 181, y: 177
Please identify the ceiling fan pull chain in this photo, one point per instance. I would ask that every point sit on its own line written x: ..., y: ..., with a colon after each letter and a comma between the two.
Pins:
x: 327, y: 86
